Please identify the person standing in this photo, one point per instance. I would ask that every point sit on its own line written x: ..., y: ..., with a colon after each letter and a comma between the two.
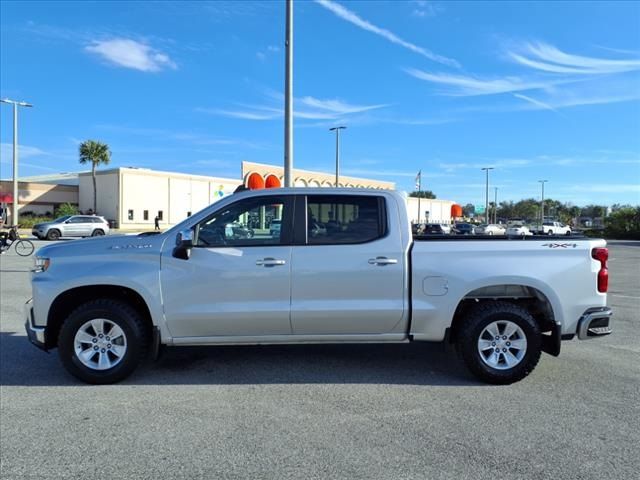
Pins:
x: 156, y: 222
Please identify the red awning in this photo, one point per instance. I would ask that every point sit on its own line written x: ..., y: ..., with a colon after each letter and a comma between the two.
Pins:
x: 6, y: 198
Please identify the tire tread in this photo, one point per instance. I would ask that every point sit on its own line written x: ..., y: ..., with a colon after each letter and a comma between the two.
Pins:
x: 467, y: 340
x: 67, y: 333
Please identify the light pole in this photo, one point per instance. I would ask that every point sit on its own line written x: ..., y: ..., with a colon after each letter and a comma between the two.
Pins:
x: 495, y: 205
x: 337, y: 130
x: 486, y: 196
x: 542, y: 203
x: 288, y: 96
x: 14, y: 213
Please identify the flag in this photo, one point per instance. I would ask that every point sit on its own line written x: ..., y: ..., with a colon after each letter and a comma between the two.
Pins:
x: 418, y: 180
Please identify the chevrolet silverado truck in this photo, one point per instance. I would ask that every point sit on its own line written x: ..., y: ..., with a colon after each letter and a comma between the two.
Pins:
x: 342, y: 267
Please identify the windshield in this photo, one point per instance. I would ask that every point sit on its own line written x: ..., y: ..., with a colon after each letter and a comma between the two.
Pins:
x: 62, y: 219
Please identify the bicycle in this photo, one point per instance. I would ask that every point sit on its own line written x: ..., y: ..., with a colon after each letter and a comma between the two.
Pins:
x: 23, y: 247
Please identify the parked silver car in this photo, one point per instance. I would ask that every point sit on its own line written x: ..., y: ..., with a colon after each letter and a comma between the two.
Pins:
x: 491, y: 229
x: 72, y: 226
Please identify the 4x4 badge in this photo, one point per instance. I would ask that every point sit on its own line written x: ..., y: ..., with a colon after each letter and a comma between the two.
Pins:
x: 560, y: 245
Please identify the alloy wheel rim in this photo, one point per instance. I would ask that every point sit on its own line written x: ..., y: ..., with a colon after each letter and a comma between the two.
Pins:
x: 502, y: 345
x: 100, y: 344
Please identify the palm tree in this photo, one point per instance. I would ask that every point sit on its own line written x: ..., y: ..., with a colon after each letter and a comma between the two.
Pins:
x: 96, y: 153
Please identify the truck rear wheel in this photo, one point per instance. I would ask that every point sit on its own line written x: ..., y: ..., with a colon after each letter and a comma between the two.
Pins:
x: 102, y: 341
x: 500, y: 342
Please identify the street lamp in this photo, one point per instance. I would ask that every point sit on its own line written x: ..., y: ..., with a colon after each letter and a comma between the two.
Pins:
x: 337, y: 130
x: 495, y: 205
x: 542, y: 203
x: 486, y: 196
x: 288, y: 96
x: 14, y: 213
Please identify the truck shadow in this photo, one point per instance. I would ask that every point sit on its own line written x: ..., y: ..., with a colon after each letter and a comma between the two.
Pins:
x: 21, y: 364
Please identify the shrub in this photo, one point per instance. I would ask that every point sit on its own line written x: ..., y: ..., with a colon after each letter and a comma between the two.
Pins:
x: 624, y: 224
x: 30, y: 221
x: 66, y: 209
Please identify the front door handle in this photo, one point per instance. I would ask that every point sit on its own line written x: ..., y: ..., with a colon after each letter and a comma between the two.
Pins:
x: 270, y: 262
x: 382, y: 261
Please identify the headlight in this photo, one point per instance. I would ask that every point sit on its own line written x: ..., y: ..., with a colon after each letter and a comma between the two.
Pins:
x: 41, y: 264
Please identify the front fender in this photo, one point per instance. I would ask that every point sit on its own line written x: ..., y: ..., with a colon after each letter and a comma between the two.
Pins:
x: 139, y: 272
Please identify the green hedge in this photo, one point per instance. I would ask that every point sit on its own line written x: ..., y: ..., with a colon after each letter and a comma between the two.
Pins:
x: 30, y: 221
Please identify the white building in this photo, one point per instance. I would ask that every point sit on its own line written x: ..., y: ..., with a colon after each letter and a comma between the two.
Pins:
x: 134, y: 196
x: 427, y: 210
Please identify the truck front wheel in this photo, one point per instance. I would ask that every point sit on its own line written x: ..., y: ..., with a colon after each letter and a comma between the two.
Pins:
x: 500, y: 342
x: 102, y: 341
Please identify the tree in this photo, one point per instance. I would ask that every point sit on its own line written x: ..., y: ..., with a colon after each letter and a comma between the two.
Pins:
x: 96, y: 153
x: 469, y: 210
x: 624, y: 223
x: 423, y: 194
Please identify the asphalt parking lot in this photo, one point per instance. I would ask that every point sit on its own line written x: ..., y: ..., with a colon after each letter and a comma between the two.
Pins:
x: 324, y: 412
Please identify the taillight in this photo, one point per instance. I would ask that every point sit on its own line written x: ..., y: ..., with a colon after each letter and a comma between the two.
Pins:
x: 602, y: 255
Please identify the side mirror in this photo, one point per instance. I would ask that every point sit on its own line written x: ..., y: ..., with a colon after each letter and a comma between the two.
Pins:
x: 184, y: 244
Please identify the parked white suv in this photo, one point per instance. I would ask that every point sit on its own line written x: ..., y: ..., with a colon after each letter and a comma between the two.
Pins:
x: 72, y: 226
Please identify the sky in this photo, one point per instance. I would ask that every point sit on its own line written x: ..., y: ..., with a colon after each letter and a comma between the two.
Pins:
x: 536, y: 90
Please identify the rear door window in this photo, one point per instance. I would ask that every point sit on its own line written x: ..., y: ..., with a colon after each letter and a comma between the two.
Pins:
x: 344, y: 219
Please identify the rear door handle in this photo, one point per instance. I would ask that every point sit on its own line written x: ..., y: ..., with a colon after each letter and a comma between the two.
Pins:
x: 270, y: 262
x: 382, y: 261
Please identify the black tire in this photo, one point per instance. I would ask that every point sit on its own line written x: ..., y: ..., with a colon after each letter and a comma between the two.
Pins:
x: 474, y: 324
x: 568, y: 233
x: 550, y: 232
x: 97, y: 233
x: 53, y: 234
x: 24, y: 248
x: 125, y: 317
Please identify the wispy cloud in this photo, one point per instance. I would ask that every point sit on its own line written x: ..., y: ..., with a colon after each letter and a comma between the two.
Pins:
x: 506, y: 163
x: 264, y: 54
x: 337, y: 107
x: 463, y: 85
x: 310, y: 108
x: 548, y: 58
x: 355, y: 19
x: 25, y: 151
x: 193, y: 138
x: 607, y: 188
x: 128, y: 53
x: 535, y: 102
x: 560, y: 80
x: 424, y: 9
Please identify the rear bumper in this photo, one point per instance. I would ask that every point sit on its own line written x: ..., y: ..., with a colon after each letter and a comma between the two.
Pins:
x: 595, y: 323
x: 36, y: 334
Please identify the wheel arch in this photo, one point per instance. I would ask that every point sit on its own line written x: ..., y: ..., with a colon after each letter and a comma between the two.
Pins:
x: 533, y: 299
x: 69, y: 300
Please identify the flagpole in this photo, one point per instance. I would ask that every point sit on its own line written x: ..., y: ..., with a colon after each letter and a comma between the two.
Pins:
x: 419, y: 185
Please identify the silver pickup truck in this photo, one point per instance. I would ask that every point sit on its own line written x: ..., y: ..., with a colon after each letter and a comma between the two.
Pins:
x: 342, y: 266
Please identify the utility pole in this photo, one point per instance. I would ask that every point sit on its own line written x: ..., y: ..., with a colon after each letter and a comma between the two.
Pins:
x: 337, y: 130
x: 486, y: 196
x: 542, y: 203
x: 288, y: 96
x: 14, y: 213
x: 495, y: 205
